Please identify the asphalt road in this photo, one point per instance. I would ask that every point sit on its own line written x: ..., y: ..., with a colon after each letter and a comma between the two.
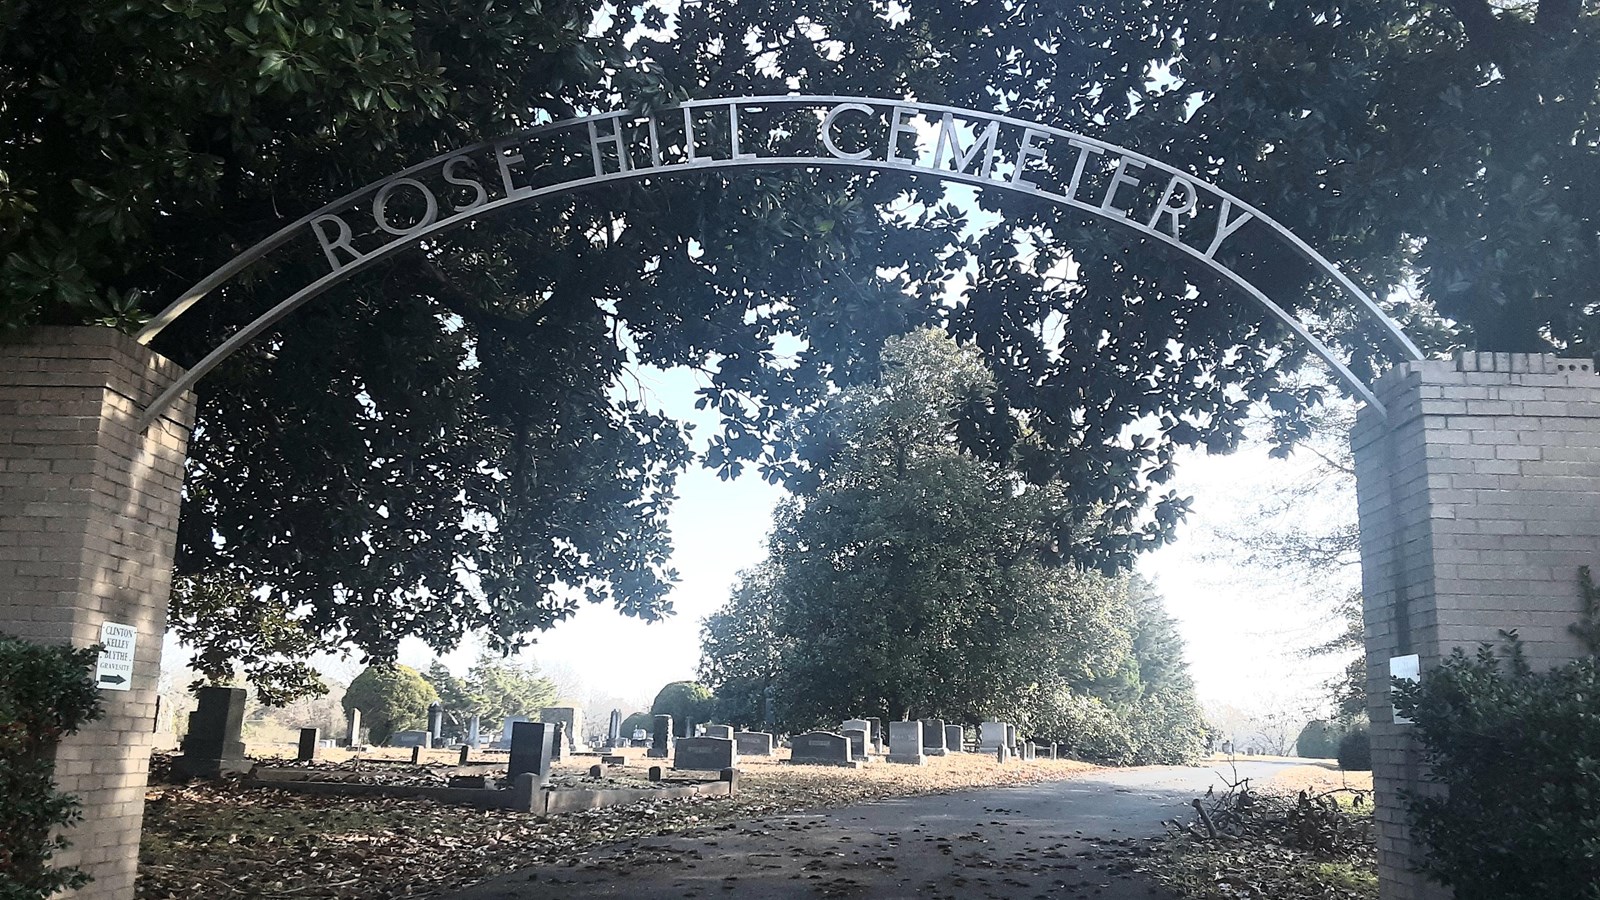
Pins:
x: 1060, y: 839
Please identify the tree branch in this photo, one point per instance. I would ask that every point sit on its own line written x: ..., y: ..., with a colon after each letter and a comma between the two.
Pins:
x: 1485, y: 31
x: 1557, y: 17
x: 456, y: 299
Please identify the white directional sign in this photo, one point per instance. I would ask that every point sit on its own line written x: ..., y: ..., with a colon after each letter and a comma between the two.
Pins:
x: 114, y: 672
x: 1408, y: 668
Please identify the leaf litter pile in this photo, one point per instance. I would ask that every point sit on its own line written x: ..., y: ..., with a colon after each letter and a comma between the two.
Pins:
x: 1304, y: 838
x: 227, y: 839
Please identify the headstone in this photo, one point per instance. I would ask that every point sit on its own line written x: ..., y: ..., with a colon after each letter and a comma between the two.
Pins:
x: 614, y: 730
x: 560, y: 739
x: 416, y: 754
x: 505, y: 732
x: 614, y: 760
x: 661, y: 746
x: 532, y: 750
x: 466, y: 751
x: 711, y: 753
x: 409, y: 739
x: 905, y: 743
x: 597, y: 771
x: 571, y: 720
x: 212, y: 747
x: 876, y: 735
x: 1011, y: 736
x: 474, y: 732
x: 655, y: 773
x: 991, y: 735
x: 310, y: 739
x: 822, y: 748
x: 752, y: 743
x: 858, y: 742
x: 1050, y: 751
x: 436, y: 723
x: 352, y: 731
x: 933, y: 737
x: 856, y: 724
x: 720, y: 731
x: 953, y: 738
x: 1002, y: 753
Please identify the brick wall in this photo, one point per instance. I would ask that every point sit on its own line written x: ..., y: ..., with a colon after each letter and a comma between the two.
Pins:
x: 1479, y: 498
x: 88, y: 523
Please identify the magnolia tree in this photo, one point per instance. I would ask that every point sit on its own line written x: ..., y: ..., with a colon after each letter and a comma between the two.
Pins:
x: 451, y: 442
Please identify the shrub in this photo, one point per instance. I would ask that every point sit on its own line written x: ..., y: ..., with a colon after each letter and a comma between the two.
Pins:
x: 391, y: 698
x: 1355, y: 751
x: 1085, y: 727
x: 1518, y: 750
x: 687, y: 702
x: 46, y: 693
x: 1319, y: 739
x: 638, y: 720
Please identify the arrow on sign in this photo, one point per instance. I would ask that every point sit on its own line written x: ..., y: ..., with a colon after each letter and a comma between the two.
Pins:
x: 112, y: 679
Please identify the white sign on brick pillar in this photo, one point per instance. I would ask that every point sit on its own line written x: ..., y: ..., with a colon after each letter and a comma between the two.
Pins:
x: 114, y: 671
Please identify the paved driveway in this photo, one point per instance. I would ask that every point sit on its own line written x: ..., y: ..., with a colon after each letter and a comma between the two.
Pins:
x: 1060, y: 839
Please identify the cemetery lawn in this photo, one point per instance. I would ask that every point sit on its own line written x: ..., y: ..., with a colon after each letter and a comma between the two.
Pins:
x: 227, y: 840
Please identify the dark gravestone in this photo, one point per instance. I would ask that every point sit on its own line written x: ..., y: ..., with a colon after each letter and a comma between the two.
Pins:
x: 559, y: 736
x: 307, y: 750
x: 752, y: 743
x: 466, y: 751
x: 416, y: 756
x: 435, y: 723
x: 614, y: 760
x: 710, y: 753
x: 858, y: 742
x: 720, y: 731
x: 655, y: 773
x: 533, y: 746
x: 212, y: 747
x: 822, y: 748
x: 614, y: 730
x: 933, y: 737
x: 661, y: 746
x: 953, y: 738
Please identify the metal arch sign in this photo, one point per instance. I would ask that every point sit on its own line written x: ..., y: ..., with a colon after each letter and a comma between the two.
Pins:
x: 1192, y: 216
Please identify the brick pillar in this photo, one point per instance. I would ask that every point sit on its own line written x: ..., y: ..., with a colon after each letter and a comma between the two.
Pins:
x: 88, y: 524
x: 1479, y: 499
